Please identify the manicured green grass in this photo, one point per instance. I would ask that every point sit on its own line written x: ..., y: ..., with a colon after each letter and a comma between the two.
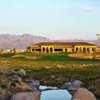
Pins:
x: 63, y: 57
x: 44, y: 59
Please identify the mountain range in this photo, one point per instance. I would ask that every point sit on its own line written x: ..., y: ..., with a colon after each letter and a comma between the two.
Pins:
x: 8, y: 41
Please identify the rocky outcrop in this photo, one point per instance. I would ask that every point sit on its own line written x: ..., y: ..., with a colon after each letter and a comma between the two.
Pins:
x: 83, y: 94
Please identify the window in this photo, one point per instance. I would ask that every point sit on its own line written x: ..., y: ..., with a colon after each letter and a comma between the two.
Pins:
x: 88, y: 50
x: 72, y: 50
x: 58, y: 50
x: 32, y: 49
x: 76, y: 49
x: 66, y: 50
x: 47, y: 50
x: 38, y: 49
x: 84, y: 50
x: 43, y: 49
x: 93, y: 49
x: 51, y: 49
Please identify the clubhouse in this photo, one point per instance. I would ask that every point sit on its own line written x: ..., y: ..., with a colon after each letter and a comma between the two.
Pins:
x: 62, y: 47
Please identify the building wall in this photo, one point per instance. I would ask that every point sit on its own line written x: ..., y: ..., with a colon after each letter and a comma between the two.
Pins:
x: 98, y: 49
x: 47, y: 49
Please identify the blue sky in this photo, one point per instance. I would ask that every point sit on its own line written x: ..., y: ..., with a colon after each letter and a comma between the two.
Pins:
x: 56, y: 19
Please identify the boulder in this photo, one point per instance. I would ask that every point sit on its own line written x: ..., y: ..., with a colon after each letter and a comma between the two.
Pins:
x: 26, y: 96
x: 83, y: 94
x: 4, y: 95
x: 34, y: 84
x: 22, y: 86
x: 15, y: 78
x: 5, y: 98
x: 72, y: 85
x: 19, y: 71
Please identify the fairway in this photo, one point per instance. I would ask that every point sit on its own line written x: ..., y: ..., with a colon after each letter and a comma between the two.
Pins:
x: 42, y: 60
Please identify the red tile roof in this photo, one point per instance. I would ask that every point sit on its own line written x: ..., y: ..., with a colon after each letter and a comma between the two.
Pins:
x: 65, y: 43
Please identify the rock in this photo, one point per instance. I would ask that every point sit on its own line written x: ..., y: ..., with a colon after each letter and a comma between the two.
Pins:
x: 34, y: 84
x: 66, y: 85
x: 22, y: 72
x: 4, y: 95
x: 19, y: 71
x: 76, y: 83
x: 15, y: 78
x: 26, y: 96
x: 83, y: 94
x: 5, y: 98
x: 22, y: 86
x: 72, y: 85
